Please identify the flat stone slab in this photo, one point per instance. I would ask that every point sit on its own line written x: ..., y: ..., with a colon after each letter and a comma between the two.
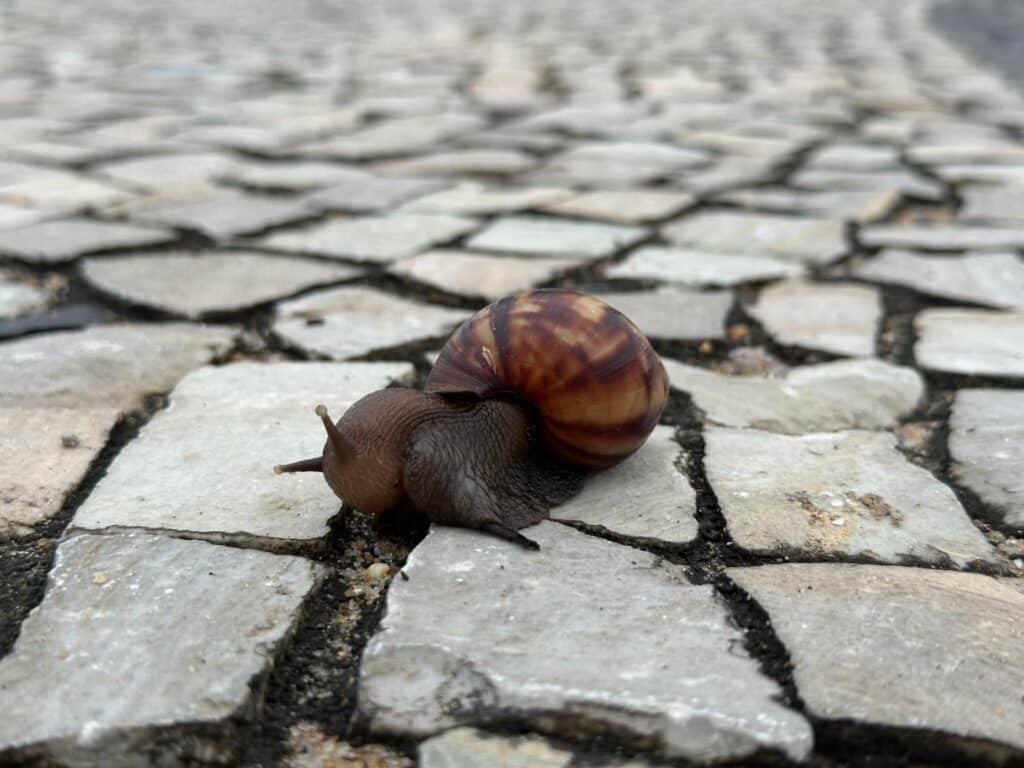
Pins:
x: 911, y: 184
x: 469, y: 748
x: 477, y: 275
x: 60, y: 394
x: 228, y: 422
x: 291, y: 176
x: 469, y: 635
x: 952, y: 640
x: 557, y: 238
x: 675, y: 313
x: 645, y: 497
x: 849, y: 394
x: 473, y: 198
x: 194, y: 284
x: 144, y: 639
x: 855, y: 157
x: 52, y: 189
x: 851, y: 493
x: 798, y: 239
x: 51, y: 242
x: 20, y: 297
x: 841, y: 318
x: 699, y: 268
x: 398, y: 136
x: 373, y: 238
x: 370, y: 194
x: 860, y: 205
x: 625, y: 206
x: 941, y: 237
x: 658, y: 154
x: 464, y: 162
x: 992, y: 279
x: 162, y: 172
x: 218, y: 213
x: 343, y: 323
x: 986, y: 443
x: 993, y: 204
x: 978, y: 342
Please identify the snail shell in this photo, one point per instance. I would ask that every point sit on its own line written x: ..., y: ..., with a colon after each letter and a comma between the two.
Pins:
x: 590, y: 373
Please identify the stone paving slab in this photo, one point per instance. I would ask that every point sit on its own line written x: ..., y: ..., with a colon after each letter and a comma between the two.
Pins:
x: 475, y: 275
x: 995, y: 204
x: 65, y: 239
x: 848, y: 493
x: 674, y: 313
x: 146, y: 637
x: 162, y: 172
x: 624, y: 206
x: 646, y: 652
x: 700, y: 268
x: 971, y: 342
x: 472, y: 198
x: 951, y: 237
x: 849, y: 394
x: 550, y: 237
x: 951, y: 639
x: 468, y: 748
x: 229, y: 422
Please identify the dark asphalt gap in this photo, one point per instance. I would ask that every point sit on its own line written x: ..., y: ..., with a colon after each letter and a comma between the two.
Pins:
x: 990, y: 31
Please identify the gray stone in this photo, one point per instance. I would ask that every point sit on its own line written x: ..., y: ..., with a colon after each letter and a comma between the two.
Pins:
x: 166, y: 172
x: 841, y: 318
x: 557, y: 238
x: 343, y: 323
x: 399, y: 136
x: 660, y: 155
x: 969, y: 341
x: 803, y: 240
x: 851, y: 493
x: 986, y: 443
x: 291, y: 176
x: 691, y: 267
x: 142, y: 637
x: 727, y: 173
x: 228, y: 422
x: 581, y: 172
x: 474, y: 198
x: 992, y: 279
x: 997, y: 204
x: 219, y: 213
x: 625, y: 206
x: 981, y: 173
x: 946, y: 153
x: 855, y: 157
x: 369, y: 194
x: 468, y: 748
x: 859, y: 205
x: 14, y: 216
x: 66, y: 239
x: 373, y: 238
x: 675, y: 313
x: 60, y: 394
x: 470, y: 634
x: 194, y: 284
x: 465, y: 162
x: 475, y: 275
x: 911, y: 184
x: 941, y: 237
x: 53, y: 189
x: 740, y: 144
x: 21, y: 297
x: 952, y: 640
x: 646, y: 497
x: 849, y: 394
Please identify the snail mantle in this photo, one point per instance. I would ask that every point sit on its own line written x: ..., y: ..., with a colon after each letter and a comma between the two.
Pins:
x: 526, y: 397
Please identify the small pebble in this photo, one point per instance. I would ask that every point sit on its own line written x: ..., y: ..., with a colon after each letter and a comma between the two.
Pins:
x: 70, y: 441
x: 378, y: 571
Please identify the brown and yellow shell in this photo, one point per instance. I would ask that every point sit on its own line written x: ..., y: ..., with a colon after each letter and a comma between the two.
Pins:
x: 591, y: 374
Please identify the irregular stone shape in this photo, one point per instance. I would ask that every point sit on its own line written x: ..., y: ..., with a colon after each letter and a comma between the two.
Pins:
x: 731, y: 143
x: 473, y: 198
x: 167, y: 171
x: 65, y: 239
x: 558, y: 238
x: 470, y: 634
x: 850, y: 493
x: 970, y: 341
x: 981, y: 173
x: 141, y: 640
x: 229, y: 422
x: 291, y: 176
x: 999, y: 205
x: 860, y: 205
x: 645, y: 497
x: 911, y: 184
x: 476, y: 275
x: 690, y: 267
x: 18, y: 297
x: 400, y: 136
x: 193, y: 284
x: 625, y: 206
x: 13, y: 216
x: 849, y: 394
x: 59, y: 399
x: 661, y: 155
x: 986, y: 443
x: 370, y: 194
x: 941, y: 237
x: 855, y: 157
x: 803, y: 240
x: 993, y: 279
x: 575, y: 172
x: 480, y: 162
x: 674, y: 313
x: 952, y: 640
x: 469, y: 748
x: 52, y: 189
x: 726, y: 173
x: 219, y: 213
x: 343, y: 323
x: 946, y: 153
x: 841, y: 318
x: 373, y: 238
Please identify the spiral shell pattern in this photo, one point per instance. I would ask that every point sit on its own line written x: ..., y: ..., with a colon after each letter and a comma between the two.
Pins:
x: 591, y: 374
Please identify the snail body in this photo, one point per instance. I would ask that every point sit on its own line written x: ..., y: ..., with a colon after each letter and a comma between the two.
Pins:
x: 526, y: 397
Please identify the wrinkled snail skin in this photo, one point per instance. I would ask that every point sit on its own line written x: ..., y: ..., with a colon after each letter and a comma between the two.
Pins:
x: 527, y: 396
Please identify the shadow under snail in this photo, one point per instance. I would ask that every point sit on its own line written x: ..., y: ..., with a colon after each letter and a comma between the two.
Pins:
x: 525, y: 398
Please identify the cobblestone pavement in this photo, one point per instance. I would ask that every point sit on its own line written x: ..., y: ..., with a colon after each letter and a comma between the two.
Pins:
x: 215, y: 215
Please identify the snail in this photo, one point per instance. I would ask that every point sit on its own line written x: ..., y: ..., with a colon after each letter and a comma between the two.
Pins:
x: 527, y: 396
